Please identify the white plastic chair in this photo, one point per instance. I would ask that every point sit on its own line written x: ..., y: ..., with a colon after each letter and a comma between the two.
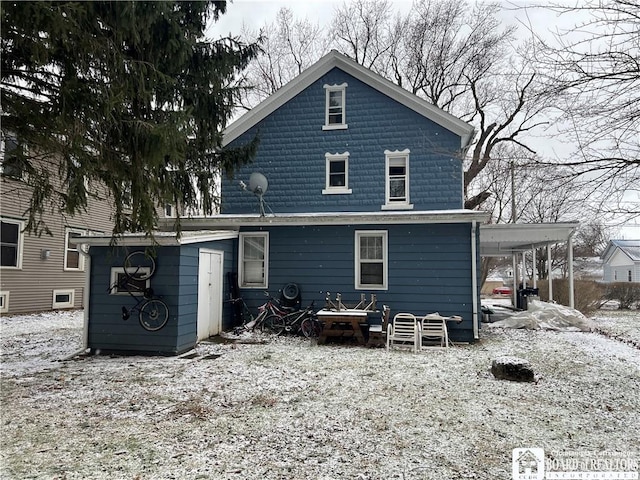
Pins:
x: 434, y: 328
x: 404, y: 331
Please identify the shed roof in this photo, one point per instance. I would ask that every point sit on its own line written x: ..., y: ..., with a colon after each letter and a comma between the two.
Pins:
x: 336, y: 60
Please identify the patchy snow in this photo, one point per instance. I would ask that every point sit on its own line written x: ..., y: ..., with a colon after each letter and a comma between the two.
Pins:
x: 290, y: 409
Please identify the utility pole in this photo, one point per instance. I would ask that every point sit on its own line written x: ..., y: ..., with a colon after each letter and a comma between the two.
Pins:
x: 513, y: 191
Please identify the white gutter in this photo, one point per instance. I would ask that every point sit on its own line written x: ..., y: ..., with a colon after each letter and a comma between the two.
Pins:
x: 474, y: 280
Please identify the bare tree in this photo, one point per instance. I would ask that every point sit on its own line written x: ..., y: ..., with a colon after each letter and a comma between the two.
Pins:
x: 288, y: 47
x: 593, y: 71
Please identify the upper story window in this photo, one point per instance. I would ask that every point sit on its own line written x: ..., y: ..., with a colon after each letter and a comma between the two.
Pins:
x: 397, y: 180
x: 337, y: 173
x: 253, y: 260
x: 335, y: 111
x: 13, y: 158
x: 11, y: 238
x: 371, y: 259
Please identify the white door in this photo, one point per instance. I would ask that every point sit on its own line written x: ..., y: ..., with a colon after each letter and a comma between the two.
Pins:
x: 209, y: 293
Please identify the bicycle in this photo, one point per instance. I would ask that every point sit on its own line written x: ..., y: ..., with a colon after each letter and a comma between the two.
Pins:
x: 153, y: 313
x: 270, y: 307
x: 301, y: 321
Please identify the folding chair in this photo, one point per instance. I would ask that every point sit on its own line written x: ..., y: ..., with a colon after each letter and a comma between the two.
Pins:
x: 434, y: 329
x: 404, y: 331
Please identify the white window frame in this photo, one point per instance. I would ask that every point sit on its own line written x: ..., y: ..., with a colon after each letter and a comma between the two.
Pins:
x: 336, y: 190
x: 19, y: 245
x: 67, y: 304
x: 68, y: 249
x: 242, y: 283
x: 331, y: 89
x: 115, y: 290
x: 391, y: 157
x: 360, y: 234
x: 4, y: 302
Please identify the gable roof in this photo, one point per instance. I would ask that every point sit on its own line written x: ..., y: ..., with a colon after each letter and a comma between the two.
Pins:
x: 631, y: 248
x: 336, y: 60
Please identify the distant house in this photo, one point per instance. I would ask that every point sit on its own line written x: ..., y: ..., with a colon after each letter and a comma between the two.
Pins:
x: 364, y: 196
x: 621, y: 261
x: 42, y: 272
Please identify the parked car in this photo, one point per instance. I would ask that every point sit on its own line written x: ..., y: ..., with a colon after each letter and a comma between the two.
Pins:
x: 503, y: 290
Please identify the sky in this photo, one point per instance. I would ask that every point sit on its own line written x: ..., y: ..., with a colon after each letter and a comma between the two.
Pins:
x: 255, y: 13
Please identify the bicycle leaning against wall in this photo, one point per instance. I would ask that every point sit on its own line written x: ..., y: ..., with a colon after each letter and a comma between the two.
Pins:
x: 138, y: 267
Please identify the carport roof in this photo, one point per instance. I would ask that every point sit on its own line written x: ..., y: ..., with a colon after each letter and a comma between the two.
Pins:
x: 500, y: 240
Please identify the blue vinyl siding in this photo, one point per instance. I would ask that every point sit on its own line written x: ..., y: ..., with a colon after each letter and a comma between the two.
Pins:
x: 429, y: 268
x: 292, y: 149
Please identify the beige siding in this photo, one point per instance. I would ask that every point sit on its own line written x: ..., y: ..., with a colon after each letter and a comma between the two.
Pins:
x: 31, y: 287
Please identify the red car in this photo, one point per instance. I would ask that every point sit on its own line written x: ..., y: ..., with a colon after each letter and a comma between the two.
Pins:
x: 504, y: 290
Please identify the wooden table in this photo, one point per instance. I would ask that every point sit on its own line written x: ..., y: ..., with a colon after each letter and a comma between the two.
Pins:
x: 342, y: 324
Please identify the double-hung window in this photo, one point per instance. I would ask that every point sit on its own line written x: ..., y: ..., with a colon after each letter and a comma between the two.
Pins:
x: 371, y: 260
x: 397, y: 180
x: 253, y: 260
x: 11, y: 239
x: 335, y: 111
x: 73, y: 260
x: 337, y: 176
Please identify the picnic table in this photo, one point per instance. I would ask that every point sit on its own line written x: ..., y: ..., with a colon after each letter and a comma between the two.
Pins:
x: 343, y: 324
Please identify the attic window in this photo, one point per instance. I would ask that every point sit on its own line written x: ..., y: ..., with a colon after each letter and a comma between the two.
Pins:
x: 335, y: 112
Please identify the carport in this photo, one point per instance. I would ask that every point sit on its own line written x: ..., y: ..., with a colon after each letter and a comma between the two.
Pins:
x: 519, y: 240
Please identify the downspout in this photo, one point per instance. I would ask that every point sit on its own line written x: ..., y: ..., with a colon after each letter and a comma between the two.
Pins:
x: 85, y: 303
x: 86, y: 295
x: 474, y: 280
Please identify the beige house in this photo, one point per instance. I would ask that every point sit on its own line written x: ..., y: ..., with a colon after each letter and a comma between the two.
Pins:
x: 43, y: 272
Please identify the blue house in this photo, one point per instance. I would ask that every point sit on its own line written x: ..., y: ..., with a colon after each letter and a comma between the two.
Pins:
x: 364, y: 196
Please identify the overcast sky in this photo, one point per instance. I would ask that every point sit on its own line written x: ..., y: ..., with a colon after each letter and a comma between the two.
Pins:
x: 255, y: 13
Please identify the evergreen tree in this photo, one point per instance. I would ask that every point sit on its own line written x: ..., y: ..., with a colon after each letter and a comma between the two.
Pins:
x: 126, y: 95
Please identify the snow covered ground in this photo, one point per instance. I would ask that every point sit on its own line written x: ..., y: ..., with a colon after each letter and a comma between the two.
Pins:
x: 289, y: 409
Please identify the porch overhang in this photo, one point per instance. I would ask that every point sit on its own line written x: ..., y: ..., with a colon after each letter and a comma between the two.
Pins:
x: 501, y: 240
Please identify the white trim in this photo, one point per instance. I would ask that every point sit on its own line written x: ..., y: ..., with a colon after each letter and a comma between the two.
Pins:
x: 336, y: 60
x: 403, y: 157
x: 329, y: 89
x: 80, y: 233
x: 336, y: 157
x: 162, y: 238
x: 19, y: 245
x: 359, y: 234
x: 113, y: 281
x: 4, y: 301
x: 68, y: 304
x: 332, y: 218
x: 265, y: 260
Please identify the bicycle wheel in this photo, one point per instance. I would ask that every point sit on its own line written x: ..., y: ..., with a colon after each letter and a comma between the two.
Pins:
x: 273, y: 324
x: 310, y: 328
x: 154, y: 315
x: 139, y: 266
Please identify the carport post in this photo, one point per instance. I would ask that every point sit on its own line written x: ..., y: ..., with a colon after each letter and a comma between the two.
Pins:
x: 549, y: 279
x: 534, y: 266
x: 514, y: 290
x: 570, y: 265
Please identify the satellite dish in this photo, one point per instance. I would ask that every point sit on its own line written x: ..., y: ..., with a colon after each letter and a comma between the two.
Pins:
x: 258, y: 183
